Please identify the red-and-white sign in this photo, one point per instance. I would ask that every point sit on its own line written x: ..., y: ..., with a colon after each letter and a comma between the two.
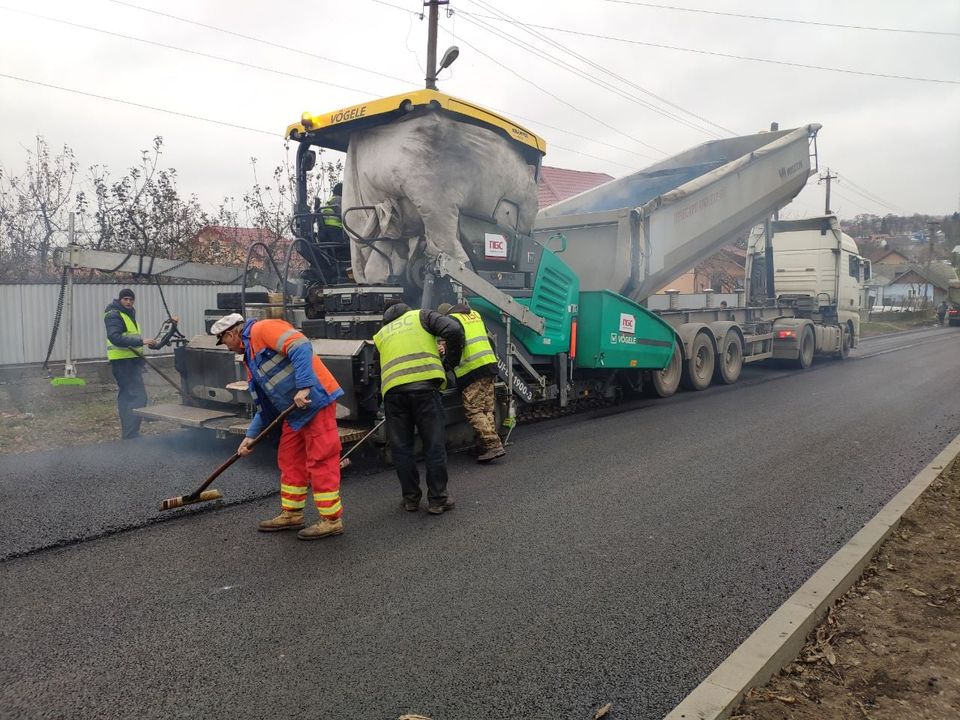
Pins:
x: 628, y: 323
x: 495, y: 246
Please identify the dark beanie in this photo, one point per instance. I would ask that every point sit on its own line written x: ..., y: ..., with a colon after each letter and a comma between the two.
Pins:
x: 126, y: 292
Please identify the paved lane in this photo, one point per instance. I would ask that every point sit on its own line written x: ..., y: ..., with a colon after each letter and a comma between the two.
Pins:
x: 613, y: 558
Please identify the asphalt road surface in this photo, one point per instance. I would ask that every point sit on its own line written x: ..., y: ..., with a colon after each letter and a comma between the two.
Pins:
x: 613, y: 557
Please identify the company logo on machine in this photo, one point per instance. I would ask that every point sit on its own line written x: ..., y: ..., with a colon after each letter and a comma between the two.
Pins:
x: 495, y: 246
x: 628, y: 323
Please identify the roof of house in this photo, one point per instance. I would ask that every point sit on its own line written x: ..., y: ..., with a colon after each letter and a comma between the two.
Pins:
x: 557, y: 184
x: 239, y: 236
x: 939, y: 275
x: 887, y: 254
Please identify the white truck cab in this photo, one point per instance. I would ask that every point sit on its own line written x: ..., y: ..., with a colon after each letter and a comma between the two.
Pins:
x: 814, y: 257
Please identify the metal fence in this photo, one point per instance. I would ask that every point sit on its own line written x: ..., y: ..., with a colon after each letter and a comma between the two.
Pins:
x: 27, y: 316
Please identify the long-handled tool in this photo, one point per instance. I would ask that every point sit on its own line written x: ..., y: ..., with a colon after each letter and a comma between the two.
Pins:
x: 201, y: 494
x: 344, y: 462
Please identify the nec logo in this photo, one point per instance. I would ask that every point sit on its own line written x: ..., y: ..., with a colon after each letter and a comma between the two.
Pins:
x: 495, y: 246
x: 628, y: 324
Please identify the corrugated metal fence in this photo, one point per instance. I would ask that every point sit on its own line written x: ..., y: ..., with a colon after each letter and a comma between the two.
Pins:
x: 27, y: 313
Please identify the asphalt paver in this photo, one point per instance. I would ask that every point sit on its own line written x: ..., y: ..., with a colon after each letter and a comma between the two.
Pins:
x: 615, y: 557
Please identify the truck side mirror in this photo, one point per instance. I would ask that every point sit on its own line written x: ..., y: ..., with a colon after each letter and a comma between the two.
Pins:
x: 866, y: 270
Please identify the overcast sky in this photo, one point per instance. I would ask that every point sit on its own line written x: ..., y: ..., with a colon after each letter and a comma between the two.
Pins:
x: 894, y: 142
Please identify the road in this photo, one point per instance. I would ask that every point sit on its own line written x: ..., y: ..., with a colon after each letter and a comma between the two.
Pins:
x: 614, y: 557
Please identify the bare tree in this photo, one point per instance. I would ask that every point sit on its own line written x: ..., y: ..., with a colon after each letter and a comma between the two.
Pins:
x: 143, y: 211
x: 34, y: 211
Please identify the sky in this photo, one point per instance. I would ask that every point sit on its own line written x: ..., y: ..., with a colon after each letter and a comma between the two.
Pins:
x: 893, y: 142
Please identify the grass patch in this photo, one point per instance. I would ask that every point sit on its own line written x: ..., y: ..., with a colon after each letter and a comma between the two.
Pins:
x: 883, y: 323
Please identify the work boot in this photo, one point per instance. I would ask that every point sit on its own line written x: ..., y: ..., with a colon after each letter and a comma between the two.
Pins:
x: 410, y: 505
x: 286, y: 520
x: 322, y: 529
x: 491, y: 455
x: 441, y: 508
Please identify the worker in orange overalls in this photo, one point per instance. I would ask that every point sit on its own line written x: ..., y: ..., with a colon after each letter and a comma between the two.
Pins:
x: 282, y: 369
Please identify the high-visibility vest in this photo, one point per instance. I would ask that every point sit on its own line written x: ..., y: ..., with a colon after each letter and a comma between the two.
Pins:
x: 131, y: 328
x: 477, y: 350
x: 331, y: 213
x: 408, y: 353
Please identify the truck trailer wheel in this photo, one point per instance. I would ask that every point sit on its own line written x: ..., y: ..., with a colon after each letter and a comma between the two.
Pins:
x: 730, y: 360
x: 807, y: 347
x: 664, y: 383
x: 698, y: 368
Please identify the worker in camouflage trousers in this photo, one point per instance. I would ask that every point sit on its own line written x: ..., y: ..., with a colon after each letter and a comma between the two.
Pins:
x: 282, y: 370
x: 475, y: 377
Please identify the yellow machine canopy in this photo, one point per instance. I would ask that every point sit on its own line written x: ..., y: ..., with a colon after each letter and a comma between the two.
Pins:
x: 333, y: 129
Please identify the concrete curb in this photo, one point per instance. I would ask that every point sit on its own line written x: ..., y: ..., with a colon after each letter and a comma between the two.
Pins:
x: 778, y: 640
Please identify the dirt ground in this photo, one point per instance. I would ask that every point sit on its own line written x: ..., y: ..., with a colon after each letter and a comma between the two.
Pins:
x: 890, y: 648
x: 73, y: 417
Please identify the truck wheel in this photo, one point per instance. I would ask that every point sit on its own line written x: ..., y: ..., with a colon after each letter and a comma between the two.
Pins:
x: 807, y: 346
x: 730, y: 360
x: 698, y: 369
x: 664, y: 383
x: 846, y: 341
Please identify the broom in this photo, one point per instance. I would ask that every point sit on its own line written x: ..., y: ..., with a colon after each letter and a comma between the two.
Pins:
x: 201, y: 494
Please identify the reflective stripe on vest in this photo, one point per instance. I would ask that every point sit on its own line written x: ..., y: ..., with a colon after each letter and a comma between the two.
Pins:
x: 408, y: 353
x: 115, y: 352
x: 477, y: 350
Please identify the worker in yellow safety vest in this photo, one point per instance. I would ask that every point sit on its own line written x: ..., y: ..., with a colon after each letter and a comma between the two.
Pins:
x: 125, y: 348
x: 411, y: 377
x: 475, y: 377
x: 331, y: 212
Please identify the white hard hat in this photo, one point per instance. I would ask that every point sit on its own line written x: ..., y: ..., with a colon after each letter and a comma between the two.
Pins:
x: 224, y: 324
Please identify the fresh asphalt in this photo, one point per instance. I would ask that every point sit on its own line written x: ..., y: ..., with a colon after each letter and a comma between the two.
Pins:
x: 616, y: 557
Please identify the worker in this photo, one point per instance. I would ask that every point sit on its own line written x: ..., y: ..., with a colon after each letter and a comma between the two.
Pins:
x: 942, y: 312
x: 411, y: 377
x: 282, y: 370
x: 125, y: 343
x: 475, y: 377
x: 332, y: 214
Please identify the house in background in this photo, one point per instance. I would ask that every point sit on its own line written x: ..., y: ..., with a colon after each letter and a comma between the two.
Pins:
x: 557, y: 184
x: 915, y: 284
x: 722, y: 273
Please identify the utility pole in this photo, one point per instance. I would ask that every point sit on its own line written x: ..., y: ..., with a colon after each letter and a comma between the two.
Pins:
x: 827, y: 178
x: 432, y: 21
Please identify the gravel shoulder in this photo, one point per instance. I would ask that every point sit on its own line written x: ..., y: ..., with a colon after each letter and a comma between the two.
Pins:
x: 890, y: 648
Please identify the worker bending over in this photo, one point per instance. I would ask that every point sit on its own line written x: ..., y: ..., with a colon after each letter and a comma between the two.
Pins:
x: 475, y: 377
x: 282, y: 369
x: 411, y: 377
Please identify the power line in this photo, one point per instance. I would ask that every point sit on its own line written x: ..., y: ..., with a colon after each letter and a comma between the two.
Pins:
x: 530, y: 82
x: 252, y: 38
x: 876, y: 199
x: 783, y: 20
x: 592, y: 63
x: 209, y: 120
x: 743, y: 57
x: 557, y: 97
x: 142, y: 106
x: 571, y: 133
x: 176, y: 48
x: 558, y: 63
